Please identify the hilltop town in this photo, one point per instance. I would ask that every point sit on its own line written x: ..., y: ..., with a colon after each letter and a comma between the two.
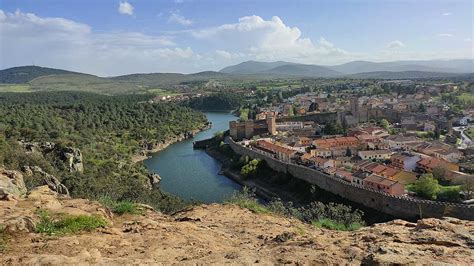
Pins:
x: 411, y: 141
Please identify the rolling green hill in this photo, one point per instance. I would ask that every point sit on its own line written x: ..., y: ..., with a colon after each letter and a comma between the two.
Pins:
x: 34, y: 78
x: 24, y: 74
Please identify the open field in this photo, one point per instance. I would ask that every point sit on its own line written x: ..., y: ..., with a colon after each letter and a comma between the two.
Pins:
x: 15, y: 88
x: 467, y: 98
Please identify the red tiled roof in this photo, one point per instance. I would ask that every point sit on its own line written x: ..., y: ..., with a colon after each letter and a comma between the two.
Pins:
x: 379, y: 169
x: 274, y: 147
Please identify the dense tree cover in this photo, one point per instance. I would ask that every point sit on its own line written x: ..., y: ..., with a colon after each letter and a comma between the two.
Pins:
x: 107, y: 129
x: 217, y: 101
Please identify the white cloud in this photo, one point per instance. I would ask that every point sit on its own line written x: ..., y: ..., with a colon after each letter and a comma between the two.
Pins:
x: 176, y: 17
x: 125, y: 8
x: 395, y: 44
x: 227, y: 55
x: 269, y: 40
x: 62, y: 43
x: 445, y: 35
x: 468, y: 40
x: 447, y: 14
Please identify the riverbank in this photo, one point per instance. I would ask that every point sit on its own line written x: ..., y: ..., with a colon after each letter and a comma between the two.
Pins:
x: 145, y: 153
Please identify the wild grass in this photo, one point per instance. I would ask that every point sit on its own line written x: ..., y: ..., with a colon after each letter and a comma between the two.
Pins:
x: 67, y: 224
x: 246, y: 199
x: 121, y: 207
x: 330, y: 224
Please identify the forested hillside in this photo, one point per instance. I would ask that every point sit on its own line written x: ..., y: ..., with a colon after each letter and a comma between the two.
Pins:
x: 107, y: 129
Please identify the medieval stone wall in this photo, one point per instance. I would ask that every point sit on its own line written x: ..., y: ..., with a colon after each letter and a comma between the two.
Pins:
x: 402, y: 207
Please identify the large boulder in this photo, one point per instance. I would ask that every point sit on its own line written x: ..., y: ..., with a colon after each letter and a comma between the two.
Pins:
x: 12, y: 184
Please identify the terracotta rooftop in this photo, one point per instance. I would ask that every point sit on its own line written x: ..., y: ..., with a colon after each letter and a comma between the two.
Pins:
x: 274, y: 147
x: 380, y: 180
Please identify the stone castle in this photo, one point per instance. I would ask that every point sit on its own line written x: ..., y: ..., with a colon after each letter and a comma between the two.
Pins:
x: 249, y: 128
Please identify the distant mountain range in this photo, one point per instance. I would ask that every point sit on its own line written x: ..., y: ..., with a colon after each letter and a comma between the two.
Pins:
x: 43, y: 78
x: 286, y: 68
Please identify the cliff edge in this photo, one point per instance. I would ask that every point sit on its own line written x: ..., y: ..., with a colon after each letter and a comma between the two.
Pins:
x: 217, y: 234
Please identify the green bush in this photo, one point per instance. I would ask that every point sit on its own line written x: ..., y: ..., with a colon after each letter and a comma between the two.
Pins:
x: 426, y: 187
x: 251, y: 168
x: 449, y: 193
x: 246, y: 199
x: 67, y: 224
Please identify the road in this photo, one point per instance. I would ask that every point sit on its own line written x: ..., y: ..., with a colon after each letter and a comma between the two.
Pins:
x: 465, y: 140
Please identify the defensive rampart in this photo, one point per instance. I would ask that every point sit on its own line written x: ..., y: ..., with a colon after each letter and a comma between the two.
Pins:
x: 402, y: 207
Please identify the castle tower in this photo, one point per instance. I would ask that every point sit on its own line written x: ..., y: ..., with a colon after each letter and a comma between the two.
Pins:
x: 233, y: 129
x: 249, y: 129
x: 450, y: 126
x: 271, y: 124
x: 355, y: 108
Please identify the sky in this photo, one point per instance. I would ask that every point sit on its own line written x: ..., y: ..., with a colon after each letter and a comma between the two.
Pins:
x: 114, y: 37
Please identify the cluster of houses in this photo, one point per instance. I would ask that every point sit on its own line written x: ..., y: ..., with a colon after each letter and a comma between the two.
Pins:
x: 374, y: 155
x: 368, y: 156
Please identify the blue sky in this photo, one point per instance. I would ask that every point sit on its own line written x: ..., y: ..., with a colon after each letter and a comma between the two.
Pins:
x: 117, y: 37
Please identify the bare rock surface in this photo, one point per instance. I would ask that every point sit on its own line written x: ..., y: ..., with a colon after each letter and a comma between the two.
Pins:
x: 11, y: 184
x: 217, y: 234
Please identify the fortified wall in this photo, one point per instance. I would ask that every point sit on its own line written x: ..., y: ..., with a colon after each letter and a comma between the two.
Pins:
x: 402, y: 207
x: 321, y: 118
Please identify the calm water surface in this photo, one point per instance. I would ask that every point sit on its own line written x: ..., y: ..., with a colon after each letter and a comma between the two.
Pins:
x: 192, y: 174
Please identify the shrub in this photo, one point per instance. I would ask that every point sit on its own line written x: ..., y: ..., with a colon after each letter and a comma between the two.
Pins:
x: 251, y: 168
x: 330, y: 224
x: 449, y: 193
x: 67, y: 224
x: 121, y: 207
x: 426, y: 187
x: 246, y: 199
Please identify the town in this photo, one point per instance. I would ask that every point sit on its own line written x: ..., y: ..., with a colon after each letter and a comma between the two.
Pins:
x: 405, y: 143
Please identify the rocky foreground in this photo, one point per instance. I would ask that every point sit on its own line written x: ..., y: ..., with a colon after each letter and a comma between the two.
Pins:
x: 220, y: 234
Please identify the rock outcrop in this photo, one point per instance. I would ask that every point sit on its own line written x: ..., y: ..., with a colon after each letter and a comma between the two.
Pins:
x: 72, y: 157
x: 218, y: 234
x: 154, y: 179
x: 51, y: 181
x: 12, y: 184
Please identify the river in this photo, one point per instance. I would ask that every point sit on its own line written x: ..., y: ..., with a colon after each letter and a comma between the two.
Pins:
x: 193, y: 174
